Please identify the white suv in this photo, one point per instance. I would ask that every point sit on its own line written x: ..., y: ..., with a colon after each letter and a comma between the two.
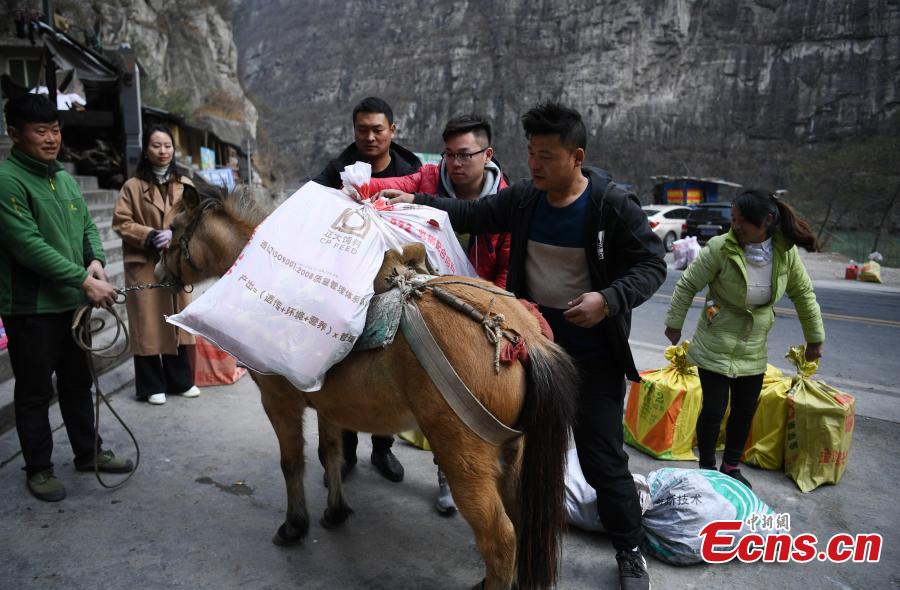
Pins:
x: 666, y: 221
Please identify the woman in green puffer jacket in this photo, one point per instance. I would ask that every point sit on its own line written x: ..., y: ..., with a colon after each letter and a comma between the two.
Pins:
x: 747, y: 270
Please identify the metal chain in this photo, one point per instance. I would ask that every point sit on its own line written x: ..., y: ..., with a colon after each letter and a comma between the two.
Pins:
x: 125, y: 290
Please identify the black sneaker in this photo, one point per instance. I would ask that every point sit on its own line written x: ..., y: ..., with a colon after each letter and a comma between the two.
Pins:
x: 388, y: 466
x: 632, y: 570
x: 736, y: 474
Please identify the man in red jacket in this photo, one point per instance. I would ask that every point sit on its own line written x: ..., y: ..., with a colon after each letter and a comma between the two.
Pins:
x: 468, y: 171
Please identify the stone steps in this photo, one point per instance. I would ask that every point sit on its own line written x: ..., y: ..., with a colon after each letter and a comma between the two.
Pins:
x: 87, y: 183
x: 113, y: 249
x: 115, y: 272
x: 101, y: 210
x: 100, y: 197
x: 104, y: 228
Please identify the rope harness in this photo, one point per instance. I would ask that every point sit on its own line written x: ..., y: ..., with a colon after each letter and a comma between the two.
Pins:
x: 491, y: 323
x: 429, y: 354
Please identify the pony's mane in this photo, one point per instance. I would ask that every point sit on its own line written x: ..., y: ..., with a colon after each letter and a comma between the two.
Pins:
x: 244, y: 208
x: 238, y: 204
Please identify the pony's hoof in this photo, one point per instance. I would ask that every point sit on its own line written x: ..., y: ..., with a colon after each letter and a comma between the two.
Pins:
x: 335, y: 518
x: 284, y: 539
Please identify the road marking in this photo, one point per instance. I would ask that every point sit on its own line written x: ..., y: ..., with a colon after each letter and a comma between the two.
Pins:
x: 851, y: 385
x: 790, y: 312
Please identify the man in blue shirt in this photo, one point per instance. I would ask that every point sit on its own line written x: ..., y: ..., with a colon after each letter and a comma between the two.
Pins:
x: 583, y: 250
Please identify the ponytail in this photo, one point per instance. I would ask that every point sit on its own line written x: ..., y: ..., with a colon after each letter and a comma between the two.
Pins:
x: 795, y: 229
x: 756, y: 205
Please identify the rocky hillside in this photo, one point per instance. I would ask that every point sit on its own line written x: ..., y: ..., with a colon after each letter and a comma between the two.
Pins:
x: 801, y: 94
x: 187, y: 54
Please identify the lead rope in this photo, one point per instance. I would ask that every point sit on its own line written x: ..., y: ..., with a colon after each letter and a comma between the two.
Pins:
x: 82, y: 333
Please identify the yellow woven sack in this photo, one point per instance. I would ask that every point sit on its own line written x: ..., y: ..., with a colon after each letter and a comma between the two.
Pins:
x: 765, y: 443
x: 819, y: 427
x: 415, y: 438
x: 661, y: 413
x: 870, y: 272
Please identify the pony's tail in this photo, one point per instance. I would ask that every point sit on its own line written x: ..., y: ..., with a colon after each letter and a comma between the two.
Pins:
x: 546, y: 417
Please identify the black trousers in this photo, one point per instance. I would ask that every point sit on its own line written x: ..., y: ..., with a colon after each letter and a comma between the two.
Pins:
x: 744, y: 394
x: 163, y: 373
x: 39, y: 346
x: 599, y: 440
x: 381, y: 443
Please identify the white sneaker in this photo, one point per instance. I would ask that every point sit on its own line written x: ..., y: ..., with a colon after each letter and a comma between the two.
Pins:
x: 157, y: 399
x: 194, y: 391
x: 445, y: 504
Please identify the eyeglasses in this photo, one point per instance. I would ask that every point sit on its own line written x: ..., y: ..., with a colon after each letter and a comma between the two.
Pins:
x: 462, y: 156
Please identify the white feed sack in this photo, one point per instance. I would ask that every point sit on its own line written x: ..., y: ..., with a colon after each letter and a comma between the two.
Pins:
x: 295, y: 300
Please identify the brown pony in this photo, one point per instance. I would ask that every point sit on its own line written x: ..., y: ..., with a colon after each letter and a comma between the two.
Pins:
x: 512, y: 497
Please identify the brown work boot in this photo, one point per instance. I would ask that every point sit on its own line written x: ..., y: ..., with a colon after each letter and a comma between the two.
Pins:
x: 107, y: 462
x: 45, y: 486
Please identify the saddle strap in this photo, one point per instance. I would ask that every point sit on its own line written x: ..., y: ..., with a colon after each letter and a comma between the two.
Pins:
x: 460, y: 399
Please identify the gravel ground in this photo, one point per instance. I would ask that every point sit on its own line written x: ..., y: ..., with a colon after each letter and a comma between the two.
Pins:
x: 831, y: 265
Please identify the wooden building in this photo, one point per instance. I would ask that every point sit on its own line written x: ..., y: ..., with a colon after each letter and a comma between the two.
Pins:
x: 690, y: 190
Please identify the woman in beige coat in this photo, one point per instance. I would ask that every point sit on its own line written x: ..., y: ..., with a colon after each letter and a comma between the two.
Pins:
x: 144, y: 212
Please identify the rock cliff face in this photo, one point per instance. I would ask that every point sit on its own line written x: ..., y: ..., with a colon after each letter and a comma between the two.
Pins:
x: 188, y: 55
x: 759, y: 92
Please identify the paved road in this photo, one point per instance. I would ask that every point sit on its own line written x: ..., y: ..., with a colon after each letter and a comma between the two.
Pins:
x: 201, y: 509
x: 862, y: 338
x: 208, y: 496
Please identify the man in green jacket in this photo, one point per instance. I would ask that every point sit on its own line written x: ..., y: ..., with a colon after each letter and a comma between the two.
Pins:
x: 51, y: 262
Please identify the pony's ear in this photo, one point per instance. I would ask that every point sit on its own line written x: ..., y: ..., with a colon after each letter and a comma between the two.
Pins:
x: 415, y: 257
x: 190, y: 196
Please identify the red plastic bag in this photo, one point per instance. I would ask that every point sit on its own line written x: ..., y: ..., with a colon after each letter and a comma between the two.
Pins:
x: 214, y: 366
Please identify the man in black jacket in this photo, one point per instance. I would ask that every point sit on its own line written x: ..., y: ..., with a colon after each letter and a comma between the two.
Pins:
x: 583, y: 250
x: 373, y: 134
x: 373, y: 142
